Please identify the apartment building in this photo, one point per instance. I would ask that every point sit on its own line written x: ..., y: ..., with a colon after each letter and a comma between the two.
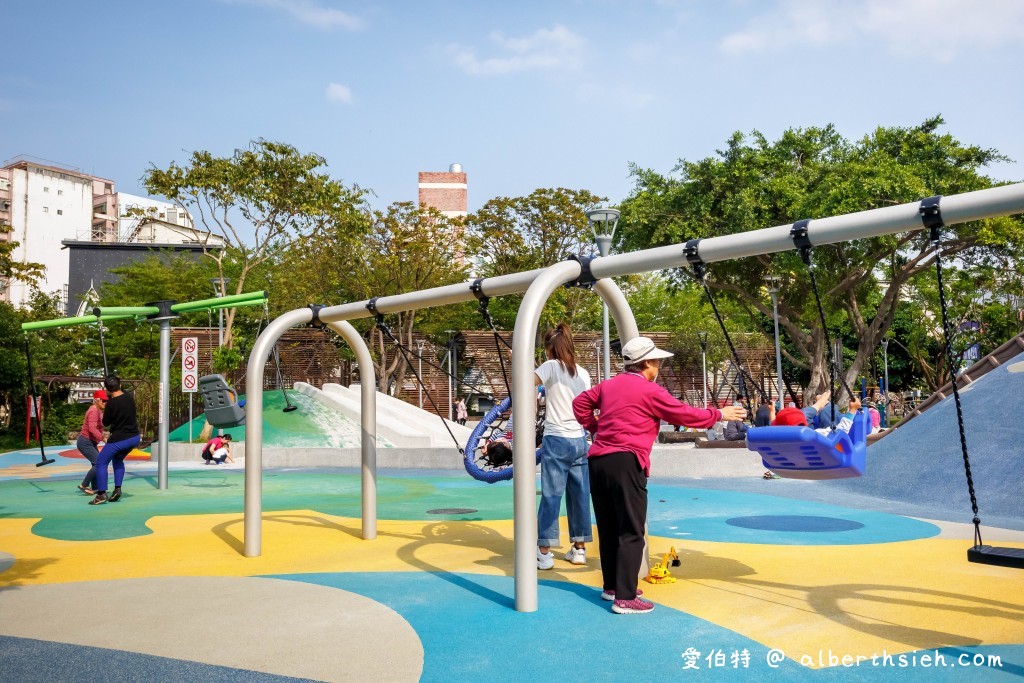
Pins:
x: 45, y: 203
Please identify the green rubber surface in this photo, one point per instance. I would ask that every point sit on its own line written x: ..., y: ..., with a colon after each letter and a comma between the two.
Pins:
x: 67, y: 516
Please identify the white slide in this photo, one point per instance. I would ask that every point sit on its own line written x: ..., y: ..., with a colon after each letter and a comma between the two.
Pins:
x: 404, y: 425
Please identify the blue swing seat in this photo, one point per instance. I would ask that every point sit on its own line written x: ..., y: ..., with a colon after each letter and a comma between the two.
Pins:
x: 475, y: 466
x: 802, y: 453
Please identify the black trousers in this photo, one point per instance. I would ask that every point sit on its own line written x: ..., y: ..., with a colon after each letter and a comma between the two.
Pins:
x: 618, y: 487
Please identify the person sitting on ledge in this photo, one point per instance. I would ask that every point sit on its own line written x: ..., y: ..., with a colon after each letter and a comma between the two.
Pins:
x: 736, y: 430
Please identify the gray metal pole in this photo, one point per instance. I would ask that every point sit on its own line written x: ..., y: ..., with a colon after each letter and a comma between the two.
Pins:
x: 261, y: 350
x: 419, y: 370
x: 704, y: 364
x: 368, y: 419
x: 778, y: 348
x: 621, y: 313
x: 885, y: 361
x: 163, y: 418
x: 524, y: 480
x: 604, y: 245
x: 524, y: 412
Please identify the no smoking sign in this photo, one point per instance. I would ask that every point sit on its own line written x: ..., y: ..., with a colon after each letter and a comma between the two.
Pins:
x: 189, y: 364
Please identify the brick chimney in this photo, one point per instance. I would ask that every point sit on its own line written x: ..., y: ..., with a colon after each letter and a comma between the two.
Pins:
x: 445, y: 192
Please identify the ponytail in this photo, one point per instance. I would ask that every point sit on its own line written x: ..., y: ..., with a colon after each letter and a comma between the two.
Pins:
x: 559, y: 345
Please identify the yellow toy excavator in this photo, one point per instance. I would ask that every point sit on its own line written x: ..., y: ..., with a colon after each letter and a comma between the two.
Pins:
x: 659, y: 572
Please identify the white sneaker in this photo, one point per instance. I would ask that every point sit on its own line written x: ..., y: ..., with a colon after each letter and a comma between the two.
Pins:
x: 576, y: 555
x: 545, y: 560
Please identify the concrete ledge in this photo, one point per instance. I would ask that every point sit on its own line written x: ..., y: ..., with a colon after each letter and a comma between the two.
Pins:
x: 681, y: 460
x: 687, y: 462
x: 680, y: 437
x: 705, y: 443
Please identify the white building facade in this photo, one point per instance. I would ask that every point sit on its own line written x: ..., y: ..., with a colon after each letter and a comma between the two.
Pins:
x: 44, y: 205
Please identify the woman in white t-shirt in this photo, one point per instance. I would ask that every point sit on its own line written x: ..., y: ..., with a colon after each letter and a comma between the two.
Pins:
x: 563, y: 465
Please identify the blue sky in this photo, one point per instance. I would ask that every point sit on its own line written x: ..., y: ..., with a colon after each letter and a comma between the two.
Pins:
x: 523, y: 94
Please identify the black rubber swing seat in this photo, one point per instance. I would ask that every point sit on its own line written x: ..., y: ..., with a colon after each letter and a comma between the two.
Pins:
x: 220, y: 402
x: 1000, y: 557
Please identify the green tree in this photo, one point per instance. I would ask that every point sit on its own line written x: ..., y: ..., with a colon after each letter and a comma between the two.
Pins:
x: 10, y: 269
x: 407, y: 249
x: 256, y: 201
x: 523, y: 233
x: 815, y: 172
x: 13, y: 369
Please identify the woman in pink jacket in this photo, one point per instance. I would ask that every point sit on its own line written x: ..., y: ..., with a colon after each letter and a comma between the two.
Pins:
x: 631, y: 407
x: 90, y: 437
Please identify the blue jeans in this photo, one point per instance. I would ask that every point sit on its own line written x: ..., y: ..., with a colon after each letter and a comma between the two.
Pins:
x: 116, y: 453
x: 88, y: 449
x: 564, y: 469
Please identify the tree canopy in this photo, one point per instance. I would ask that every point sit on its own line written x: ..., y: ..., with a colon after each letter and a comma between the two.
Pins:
x: 815, y: 172
x: 257, y: 200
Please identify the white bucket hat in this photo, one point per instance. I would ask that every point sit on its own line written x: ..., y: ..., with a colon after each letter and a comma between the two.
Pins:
x: 642, y: 348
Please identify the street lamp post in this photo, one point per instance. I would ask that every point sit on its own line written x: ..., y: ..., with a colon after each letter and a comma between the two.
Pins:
x: 885, y: 361
x: 219, y: 283
x: 603, y: 223
x: 773, y: 290
x: 451, y: 371
x: 419, y: 370
x: 703, y: 336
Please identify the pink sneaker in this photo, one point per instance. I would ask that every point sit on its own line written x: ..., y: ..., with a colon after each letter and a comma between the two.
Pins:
x: 610, y: 595
x: 635, y: 606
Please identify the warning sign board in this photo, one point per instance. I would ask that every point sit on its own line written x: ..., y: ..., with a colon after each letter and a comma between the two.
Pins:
x: 189, y: 364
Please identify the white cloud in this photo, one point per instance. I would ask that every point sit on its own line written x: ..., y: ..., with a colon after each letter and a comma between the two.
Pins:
x: 308, y: 12
x: 554, y: 49
x: 336, y: 92
x: 935, y: 28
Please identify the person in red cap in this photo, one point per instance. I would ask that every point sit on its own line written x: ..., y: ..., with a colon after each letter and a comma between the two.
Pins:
x: 790, y: 417
x: 90, y: 438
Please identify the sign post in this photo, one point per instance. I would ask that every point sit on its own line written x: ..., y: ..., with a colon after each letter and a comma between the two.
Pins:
x: 189, y: 373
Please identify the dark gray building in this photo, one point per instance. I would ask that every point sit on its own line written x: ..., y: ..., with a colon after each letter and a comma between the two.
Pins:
x: 90, y: 263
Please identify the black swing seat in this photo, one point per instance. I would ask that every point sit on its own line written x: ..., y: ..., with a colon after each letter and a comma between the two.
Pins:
x: 1001, y: 557
x: 221, y: 402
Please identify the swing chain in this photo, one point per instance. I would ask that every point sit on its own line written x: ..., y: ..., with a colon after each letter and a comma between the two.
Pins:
x: 371, y: 305
x: 478, y: 291
x: 801, y: 240
x: 692, y: 252
x: 931, y: 218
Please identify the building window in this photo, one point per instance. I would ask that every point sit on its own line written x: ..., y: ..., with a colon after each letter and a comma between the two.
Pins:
x: 60, y: 212
x: 46, y: 209
x: 46, y: 189
x: 59, y: 192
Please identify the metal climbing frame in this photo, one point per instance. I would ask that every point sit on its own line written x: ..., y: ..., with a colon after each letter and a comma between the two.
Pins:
x: 539, y: 284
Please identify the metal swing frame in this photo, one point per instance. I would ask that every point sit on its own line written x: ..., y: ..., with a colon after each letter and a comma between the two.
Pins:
x: 538, y: 285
